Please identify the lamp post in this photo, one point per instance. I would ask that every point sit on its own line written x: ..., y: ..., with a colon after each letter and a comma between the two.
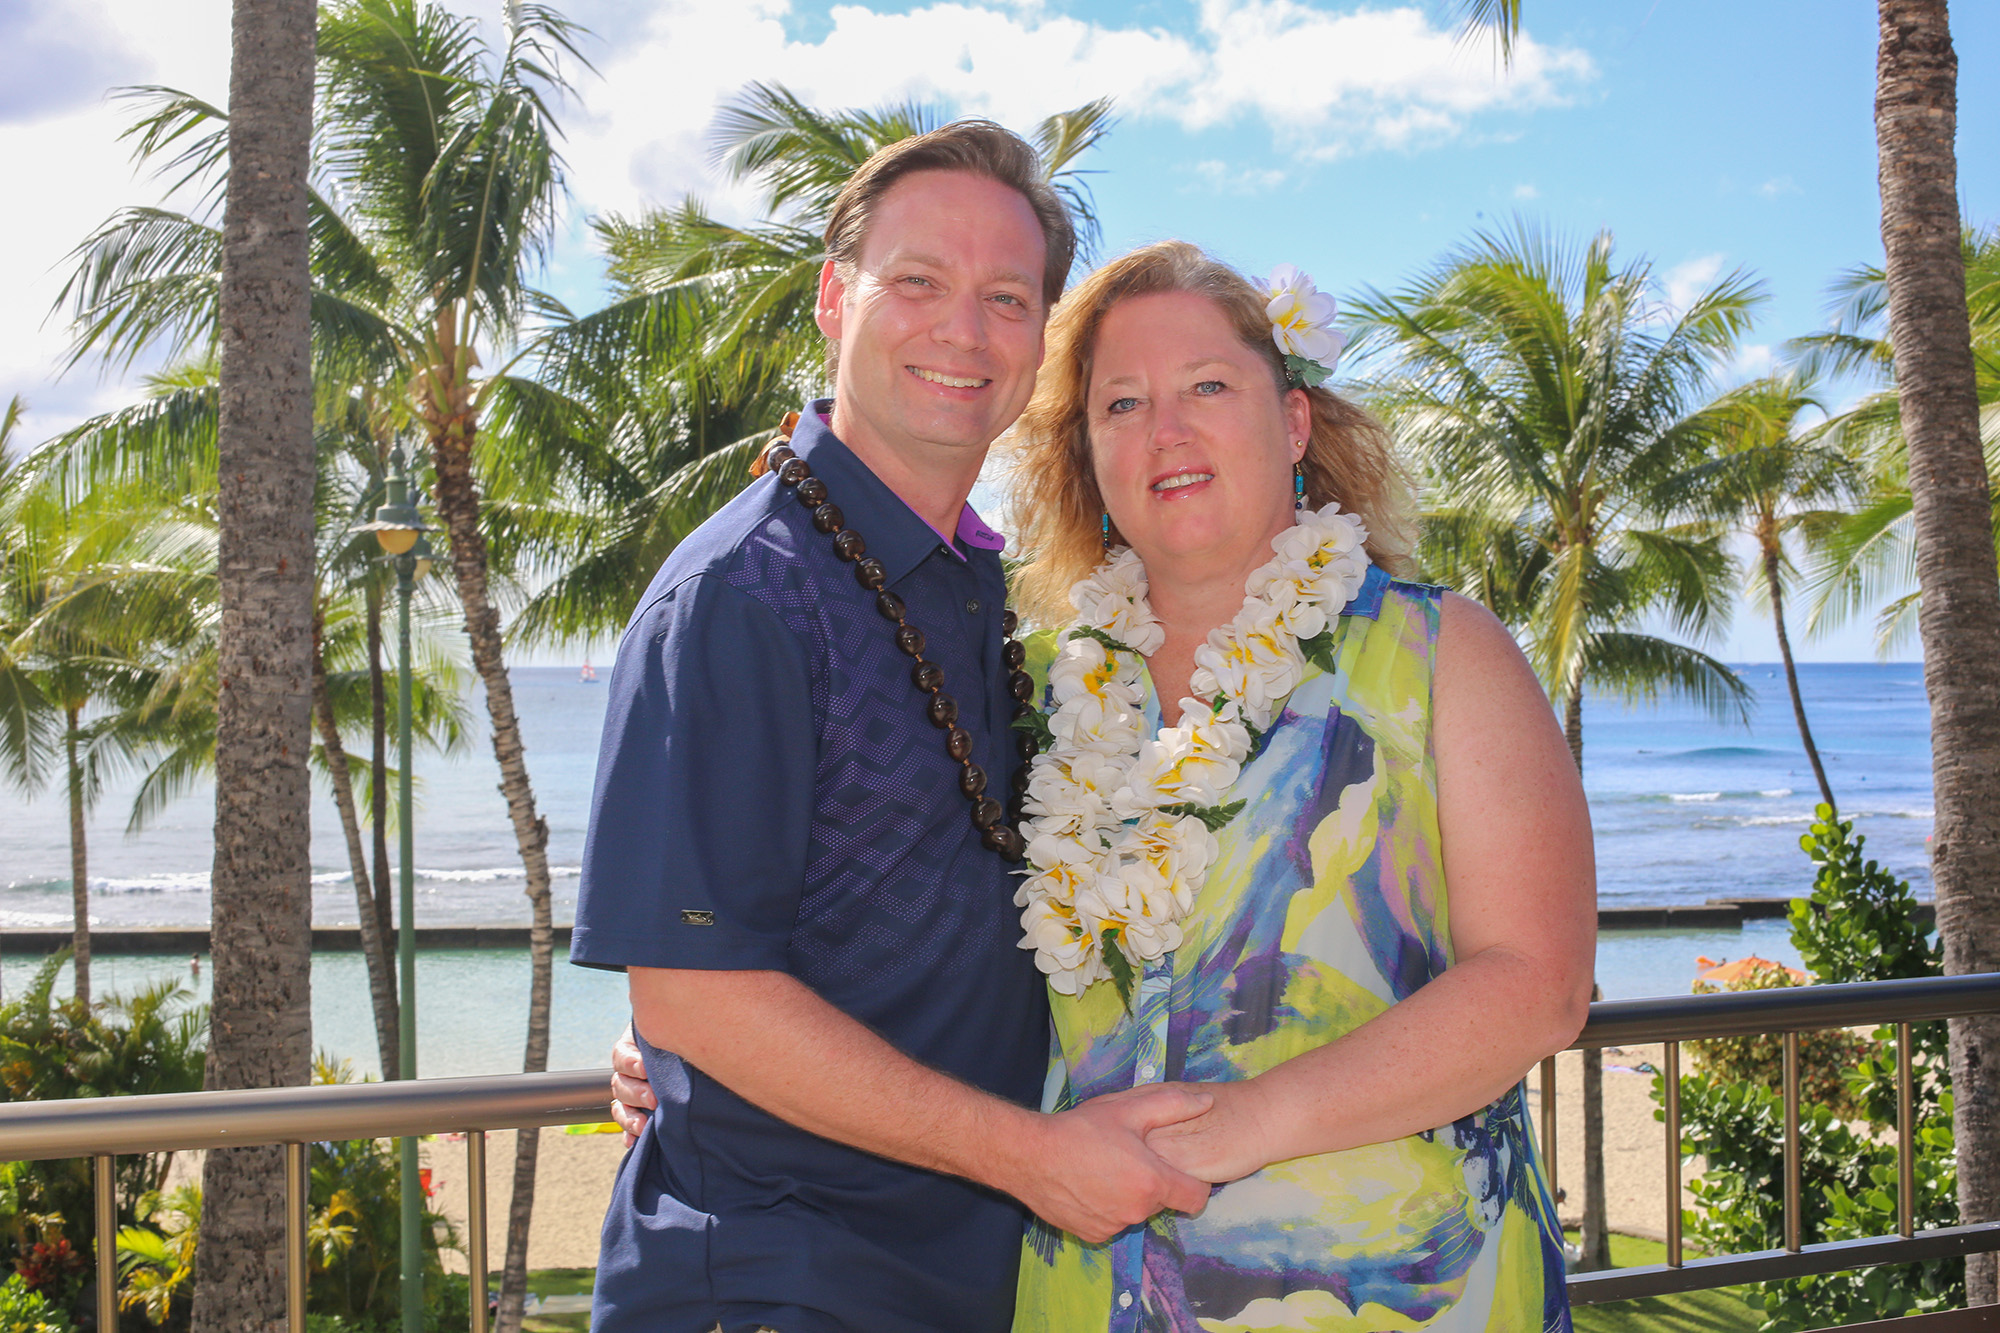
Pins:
x: 400, y: 531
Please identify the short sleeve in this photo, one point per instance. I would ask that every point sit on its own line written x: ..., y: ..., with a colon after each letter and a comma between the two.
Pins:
x: 695, y: 855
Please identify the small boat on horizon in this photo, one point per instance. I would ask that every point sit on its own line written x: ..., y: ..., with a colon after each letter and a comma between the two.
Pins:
x: 588, y: 675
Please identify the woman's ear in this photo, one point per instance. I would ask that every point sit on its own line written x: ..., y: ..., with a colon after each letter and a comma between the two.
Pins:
x: 1298, y: 421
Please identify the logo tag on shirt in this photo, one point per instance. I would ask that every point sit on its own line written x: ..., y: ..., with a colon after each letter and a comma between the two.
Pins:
x: 697, y: 916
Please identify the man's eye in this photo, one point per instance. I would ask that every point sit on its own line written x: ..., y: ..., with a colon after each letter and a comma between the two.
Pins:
x: 916, y: 280
x: 1010, y: 299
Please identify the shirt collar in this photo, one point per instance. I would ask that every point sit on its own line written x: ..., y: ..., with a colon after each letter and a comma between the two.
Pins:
x: 896, y: 534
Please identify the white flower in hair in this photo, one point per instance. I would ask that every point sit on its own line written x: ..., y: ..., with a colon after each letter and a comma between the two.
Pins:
x: 1301, y: 325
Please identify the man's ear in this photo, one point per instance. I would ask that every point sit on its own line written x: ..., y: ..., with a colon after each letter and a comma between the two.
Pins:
x: 832, y: 297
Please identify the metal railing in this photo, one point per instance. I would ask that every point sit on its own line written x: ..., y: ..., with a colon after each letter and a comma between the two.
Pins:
x: 298, y: 1117
x: 1787, y: 1012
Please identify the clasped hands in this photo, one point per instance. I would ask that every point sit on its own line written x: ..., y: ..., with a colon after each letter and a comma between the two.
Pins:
x: 1107, y: 1164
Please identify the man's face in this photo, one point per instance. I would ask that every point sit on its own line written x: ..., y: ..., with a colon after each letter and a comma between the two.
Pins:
x: 940, y: 321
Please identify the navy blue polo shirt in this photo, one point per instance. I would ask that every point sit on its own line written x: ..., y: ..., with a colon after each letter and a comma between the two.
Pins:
x: 771, y: 795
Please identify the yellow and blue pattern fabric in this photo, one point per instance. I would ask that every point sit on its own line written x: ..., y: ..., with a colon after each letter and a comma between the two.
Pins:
x: 1327, y: 906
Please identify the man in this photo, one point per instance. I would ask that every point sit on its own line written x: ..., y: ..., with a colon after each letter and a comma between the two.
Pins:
x: 841, y: 1032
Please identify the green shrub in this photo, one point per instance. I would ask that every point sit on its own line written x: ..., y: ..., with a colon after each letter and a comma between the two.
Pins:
x: 1859, y: 924
x: 1825, y: 1057
x: 55, y: 1049
x: 25, y: 1310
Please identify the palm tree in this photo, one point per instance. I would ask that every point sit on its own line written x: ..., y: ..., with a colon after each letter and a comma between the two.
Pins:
x: 1767, y: 470
x: 261, y: 886
x: 1869, y: 559
x: 1550, y: 398
x: 1916, y: 125
x: 441, y: 178
x: 92, y: 600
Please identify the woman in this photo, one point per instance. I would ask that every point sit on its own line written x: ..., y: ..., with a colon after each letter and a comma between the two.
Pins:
x: 1244, y: 823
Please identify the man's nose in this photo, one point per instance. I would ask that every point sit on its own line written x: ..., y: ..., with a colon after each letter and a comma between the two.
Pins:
x: 962, y: 322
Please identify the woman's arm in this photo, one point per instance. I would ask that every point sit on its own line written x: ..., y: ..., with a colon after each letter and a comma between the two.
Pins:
x: 1522, y: 884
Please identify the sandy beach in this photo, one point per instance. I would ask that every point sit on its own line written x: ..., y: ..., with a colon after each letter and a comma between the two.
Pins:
x: 573, y: 1178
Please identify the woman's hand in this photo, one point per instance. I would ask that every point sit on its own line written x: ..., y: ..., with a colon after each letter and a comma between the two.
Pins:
x: 1227, y: 1142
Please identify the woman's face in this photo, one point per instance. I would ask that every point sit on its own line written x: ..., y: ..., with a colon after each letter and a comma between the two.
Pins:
x: 1191, y: 438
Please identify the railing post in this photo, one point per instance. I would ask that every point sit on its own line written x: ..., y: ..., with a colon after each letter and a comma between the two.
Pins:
x: 107, y: 1240
x: 1671, y: 1088
x: 475, y: 1223
x: 1906, y: 1131
x: 297, y: 1201
x: 1549, y: 1126
x: 1791, y: 1098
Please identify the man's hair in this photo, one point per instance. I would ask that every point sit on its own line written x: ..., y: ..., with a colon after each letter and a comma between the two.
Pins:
x: 976, y: 146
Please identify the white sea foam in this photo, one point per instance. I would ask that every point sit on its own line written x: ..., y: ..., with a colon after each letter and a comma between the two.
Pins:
x: 1694, y: 795
x: 492, y: 875
x: 1772, y: 821
x: 1776, y: 792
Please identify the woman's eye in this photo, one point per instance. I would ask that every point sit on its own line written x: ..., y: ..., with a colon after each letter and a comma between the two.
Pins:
x: 1209, y: 386
x: 1118, y: 405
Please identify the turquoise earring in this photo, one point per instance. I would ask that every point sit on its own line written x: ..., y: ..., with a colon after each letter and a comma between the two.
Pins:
x: 1107, y: 531
x: 1298, y: 486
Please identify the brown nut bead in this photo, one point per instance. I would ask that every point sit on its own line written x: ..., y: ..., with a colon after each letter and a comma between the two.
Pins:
x: 943, y: 710
x: 812, y: 492
x: 958, y: 742
x: 927, y: 676
x: 794, y: 471
x: 828, y: 518
x: 911, y: 640
x: 849, y: 546
x: 871, y: 574
x: 972, y: 779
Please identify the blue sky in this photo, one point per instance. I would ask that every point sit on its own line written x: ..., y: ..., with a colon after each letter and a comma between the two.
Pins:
x: 1354, y: 140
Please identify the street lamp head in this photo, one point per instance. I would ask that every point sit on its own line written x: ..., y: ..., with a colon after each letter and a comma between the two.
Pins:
x: 397, y: 525
x: 422, y: 551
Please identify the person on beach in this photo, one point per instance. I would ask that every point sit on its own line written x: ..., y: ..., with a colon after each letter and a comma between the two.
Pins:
x: 798, y: 847
x: 1245, y: 891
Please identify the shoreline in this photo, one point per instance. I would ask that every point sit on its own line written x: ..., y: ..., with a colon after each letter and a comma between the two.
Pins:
x: 1715, y: 914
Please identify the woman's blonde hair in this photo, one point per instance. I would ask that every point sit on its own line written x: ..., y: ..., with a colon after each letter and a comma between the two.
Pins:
x: 1055, y: 503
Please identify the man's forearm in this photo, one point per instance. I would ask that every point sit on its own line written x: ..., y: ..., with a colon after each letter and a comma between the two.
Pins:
x: 774, y: 1042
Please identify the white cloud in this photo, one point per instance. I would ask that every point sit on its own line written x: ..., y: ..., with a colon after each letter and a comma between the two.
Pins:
x: 1220, y: 178
x: 1778, y: 185
x: 1325, y: 84
x: 1688, y: 279
x: 1322, y: 84
x: 1752, y: 361
x: 1526, y: 192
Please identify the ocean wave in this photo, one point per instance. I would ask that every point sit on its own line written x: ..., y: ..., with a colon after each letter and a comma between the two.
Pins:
x: 1772, y: 821
x: 1694, y: 795
x: 187, y: 881
x: 492, y: 875
x: 1776, y: 792
x: 37, y: 920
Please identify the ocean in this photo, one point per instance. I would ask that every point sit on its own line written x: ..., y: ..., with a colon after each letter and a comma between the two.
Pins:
x: 1684, y: 808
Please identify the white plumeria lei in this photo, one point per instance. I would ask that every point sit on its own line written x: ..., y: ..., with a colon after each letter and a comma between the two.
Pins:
x: 1121, y: 829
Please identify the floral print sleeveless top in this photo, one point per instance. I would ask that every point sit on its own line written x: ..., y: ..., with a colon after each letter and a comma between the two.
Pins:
x: 1326, y: 906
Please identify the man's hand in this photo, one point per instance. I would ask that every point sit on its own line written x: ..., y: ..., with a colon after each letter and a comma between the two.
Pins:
x: 1225, y: 1143
x: 1089, y: 1172
x: 632, y: 1099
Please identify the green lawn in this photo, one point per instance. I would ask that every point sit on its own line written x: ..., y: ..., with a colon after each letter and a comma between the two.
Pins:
x: 1718, y: 1311
x: 555, y: 1282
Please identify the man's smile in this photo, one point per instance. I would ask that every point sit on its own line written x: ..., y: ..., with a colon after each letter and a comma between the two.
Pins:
x: 948, y: 381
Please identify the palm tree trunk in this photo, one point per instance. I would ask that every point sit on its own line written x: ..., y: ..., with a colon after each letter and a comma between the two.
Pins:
x: 1772, y: 571
x: 1595, y: 1232
x: 1916, y: 119
x: 454, y: 428
x: 260, y: 1019
x: 374, y: 951
x: 378, y: 777
x: 79, y: 866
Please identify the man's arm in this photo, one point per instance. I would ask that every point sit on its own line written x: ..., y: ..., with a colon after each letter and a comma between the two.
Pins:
x: 774, y: 1042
